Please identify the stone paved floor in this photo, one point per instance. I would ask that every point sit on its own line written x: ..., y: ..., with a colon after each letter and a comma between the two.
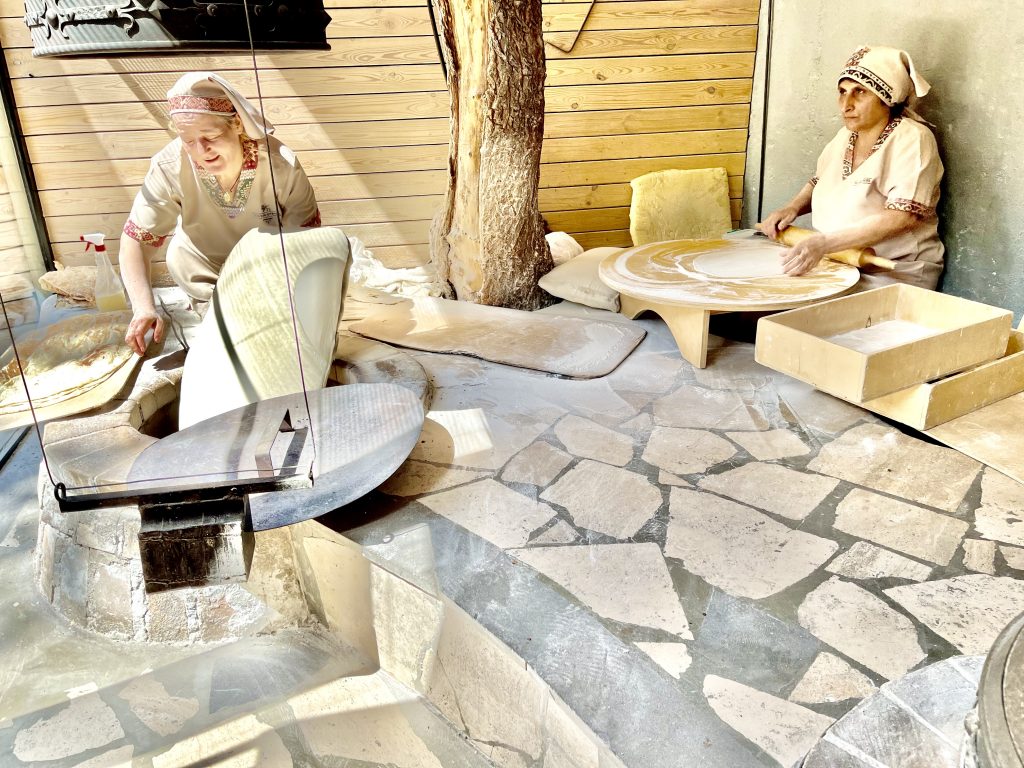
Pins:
x: 729, y: 560
x: 708, y: 566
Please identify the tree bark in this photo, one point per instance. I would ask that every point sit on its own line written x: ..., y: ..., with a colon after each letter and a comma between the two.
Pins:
x: 487, y: 240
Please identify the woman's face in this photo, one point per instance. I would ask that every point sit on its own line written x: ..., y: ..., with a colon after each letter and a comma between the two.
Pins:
x: 211, y: 141
x: 859, y: 107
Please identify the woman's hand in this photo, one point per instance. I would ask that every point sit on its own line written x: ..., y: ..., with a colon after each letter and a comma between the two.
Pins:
x: 141, y: 322
x: 804, y: 256
x: 776, y: 221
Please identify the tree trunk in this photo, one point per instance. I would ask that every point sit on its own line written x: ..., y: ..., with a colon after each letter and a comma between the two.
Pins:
x: 488, y: 239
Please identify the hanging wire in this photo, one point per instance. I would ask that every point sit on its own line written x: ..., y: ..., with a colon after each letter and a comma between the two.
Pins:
x: 24, y: 383
x: 280, y: 230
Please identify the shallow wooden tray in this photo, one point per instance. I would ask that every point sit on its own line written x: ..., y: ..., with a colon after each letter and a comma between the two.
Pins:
x: 928, y: 405
x: 871, y: 344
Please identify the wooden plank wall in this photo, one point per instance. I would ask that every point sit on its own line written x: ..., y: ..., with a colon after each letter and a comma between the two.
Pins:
x: 649, y: 84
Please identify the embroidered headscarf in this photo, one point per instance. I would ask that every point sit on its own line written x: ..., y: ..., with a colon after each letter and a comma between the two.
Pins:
x: 210, y: 94
x: 889, y: 73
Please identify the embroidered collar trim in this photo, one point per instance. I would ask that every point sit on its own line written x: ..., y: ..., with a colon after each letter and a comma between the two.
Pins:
x: 852, y: 143
x: 232, y: 204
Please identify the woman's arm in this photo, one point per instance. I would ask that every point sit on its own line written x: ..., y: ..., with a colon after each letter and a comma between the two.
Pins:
x: 134, y: 259
x: 873, y: 229
x: 776, y: 221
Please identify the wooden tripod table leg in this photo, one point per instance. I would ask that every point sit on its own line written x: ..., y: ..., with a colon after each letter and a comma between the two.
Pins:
x: 689, y: 326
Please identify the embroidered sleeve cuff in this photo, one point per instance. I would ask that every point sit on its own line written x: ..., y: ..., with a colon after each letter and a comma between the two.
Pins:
x: 910, y: 206
x: 145, y: 237
x: 814, y: 181
x: 312, y: 221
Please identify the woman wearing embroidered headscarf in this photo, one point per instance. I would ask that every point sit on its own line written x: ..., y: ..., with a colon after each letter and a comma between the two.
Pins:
x: 204, y: 190
x: 877, y: 181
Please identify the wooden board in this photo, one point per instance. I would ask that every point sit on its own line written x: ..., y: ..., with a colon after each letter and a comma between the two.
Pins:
x: 871, y: 344
x: 992, y: 435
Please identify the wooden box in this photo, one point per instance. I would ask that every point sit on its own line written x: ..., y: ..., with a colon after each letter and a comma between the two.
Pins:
x: 870, y: 344
x: 928, y: 405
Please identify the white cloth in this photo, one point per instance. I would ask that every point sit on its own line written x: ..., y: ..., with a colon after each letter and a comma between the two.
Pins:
x: 889, y: 73
x: 209, y: 85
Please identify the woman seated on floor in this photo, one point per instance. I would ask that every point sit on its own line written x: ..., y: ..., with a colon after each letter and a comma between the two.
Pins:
x: 877, y: 181
x: 205, y: 190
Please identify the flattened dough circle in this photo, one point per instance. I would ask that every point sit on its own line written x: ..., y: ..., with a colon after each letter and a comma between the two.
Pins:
x: 746, y: 262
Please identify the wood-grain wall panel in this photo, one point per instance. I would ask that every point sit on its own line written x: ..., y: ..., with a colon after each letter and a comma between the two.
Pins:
x: 653, y: 15
x: 649, y: 85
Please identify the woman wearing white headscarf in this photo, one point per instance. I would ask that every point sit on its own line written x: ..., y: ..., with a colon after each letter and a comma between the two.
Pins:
x: 877, y: 181
x: 204, y: 191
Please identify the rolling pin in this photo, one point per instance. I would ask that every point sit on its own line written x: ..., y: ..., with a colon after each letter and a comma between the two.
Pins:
x: 855, y: 257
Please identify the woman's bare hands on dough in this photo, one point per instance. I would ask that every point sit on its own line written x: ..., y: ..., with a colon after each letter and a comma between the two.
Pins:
x: 141, y: 322
x: 776, y: 221
x: 804, y: 256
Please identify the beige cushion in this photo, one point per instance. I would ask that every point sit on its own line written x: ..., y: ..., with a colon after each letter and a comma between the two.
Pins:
x: 576, y: 280
x: 679, y: 205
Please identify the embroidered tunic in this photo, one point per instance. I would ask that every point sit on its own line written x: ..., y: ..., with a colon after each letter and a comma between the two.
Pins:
x: 180, y: 198
x: 902, y: 173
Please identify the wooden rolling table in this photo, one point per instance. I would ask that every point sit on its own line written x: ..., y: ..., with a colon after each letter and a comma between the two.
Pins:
x: 728, y: 277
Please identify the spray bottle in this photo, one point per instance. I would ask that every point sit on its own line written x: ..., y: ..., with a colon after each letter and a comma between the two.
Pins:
x: 109, y: 291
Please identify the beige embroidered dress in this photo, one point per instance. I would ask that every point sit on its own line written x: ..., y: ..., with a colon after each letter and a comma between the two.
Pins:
x: 180, y: 198
x: 902, y: 173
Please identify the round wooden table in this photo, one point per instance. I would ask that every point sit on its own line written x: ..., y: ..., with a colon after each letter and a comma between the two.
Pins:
x: 664, y: 278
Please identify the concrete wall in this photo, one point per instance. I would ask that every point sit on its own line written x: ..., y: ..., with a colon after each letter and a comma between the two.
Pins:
x: 970, y: 51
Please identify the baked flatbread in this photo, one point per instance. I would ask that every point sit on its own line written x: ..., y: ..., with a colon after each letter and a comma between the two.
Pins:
x: 77, y: 283
x: 64, y: 360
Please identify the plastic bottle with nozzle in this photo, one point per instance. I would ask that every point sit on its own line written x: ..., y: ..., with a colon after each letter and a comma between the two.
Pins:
x: 109, y: 291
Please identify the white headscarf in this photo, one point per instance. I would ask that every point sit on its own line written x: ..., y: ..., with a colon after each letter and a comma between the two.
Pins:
x: 889, y: 73
x: 210, y: 94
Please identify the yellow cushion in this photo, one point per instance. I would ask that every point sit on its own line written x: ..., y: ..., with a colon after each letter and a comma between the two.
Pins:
x: 678, y: 205
x: 576, y: 280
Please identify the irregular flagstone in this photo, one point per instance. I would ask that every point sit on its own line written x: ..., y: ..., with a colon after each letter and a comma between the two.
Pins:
x: 733, y: 367
x: 609, y: 500
x: 784, y: 730
x: 1014, y: 556
x: 772, y: 487
x: 115, y: 758
x: 904, y: 527
x: 1001, y: 514
x: 802, y: 404
x: 830, y: 679
x: 537, y: 464
x: 492, y: 511
x: 674, y: 658
x: 739, y: 638
x: 696, y: 407
x: 862, y: 626
x: 686, y: 451
x: 85, y: 723
x: 666, y: 478
x: 774, y: 444
x: 478, y: 437
x: 968, y: 611
x: 882, y: 458
x: 738, y: 549
x: 247, y: 740
x: 641, y: 423
x: 415, y: 478
x: 560, y: 533
x: 866, y: 561
x: 623, y: 582
x: 156, y: 708
x: 647, y: 371
x: 980, y: 556
x: 588, y: 440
